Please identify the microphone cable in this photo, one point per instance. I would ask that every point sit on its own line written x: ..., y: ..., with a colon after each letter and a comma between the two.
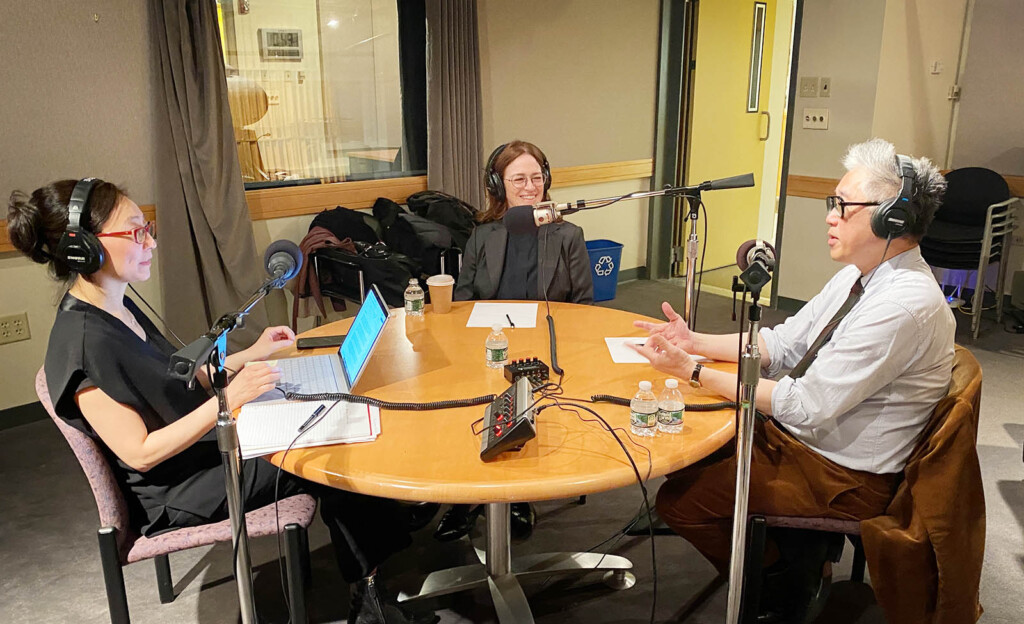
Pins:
x: 390, y: 405
x: 690, y: 407
x: 155, y: 313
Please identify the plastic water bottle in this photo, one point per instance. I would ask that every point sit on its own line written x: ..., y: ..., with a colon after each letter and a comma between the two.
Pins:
x: 496, y: 348
x: 671, y: 408
x: 643, y: 411
x: 414, y: 299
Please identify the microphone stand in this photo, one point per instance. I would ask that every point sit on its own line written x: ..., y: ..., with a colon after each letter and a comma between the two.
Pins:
x: 691, y: 194
x: 754, y: 278
x: 212, y: 349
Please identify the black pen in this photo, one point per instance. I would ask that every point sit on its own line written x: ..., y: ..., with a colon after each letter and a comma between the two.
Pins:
x: 510, y: 323
x: 309, y: 421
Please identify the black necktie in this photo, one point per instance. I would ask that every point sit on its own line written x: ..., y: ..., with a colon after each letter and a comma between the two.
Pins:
x: 827, y: 331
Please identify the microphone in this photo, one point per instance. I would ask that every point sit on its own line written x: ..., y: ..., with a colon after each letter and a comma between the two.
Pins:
x: 756, y: 258
x: 756, y: 251
x: 283, y: 259
x: 740, y: 181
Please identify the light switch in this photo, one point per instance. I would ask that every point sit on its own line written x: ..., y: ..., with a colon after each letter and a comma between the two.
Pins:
x: 825, y: 87
x: 809, y: 86
x: 815, y: 118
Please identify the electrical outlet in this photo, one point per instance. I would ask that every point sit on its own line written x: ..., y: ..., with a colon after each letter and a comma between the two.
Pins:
x: 816, y: 118
x: 14, y: 328
x: 1018, y: 238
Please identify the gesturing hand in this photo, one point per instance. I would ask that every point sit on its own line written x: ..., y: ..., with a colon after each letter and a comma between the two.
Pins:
x: 665, y: 356
x: 272, y: 339
x: 250, y: 382
x: 675, y: 330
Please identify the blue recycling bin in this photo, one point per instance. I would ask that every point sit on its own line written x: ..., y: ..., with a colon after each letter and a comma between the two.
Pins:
x: 605, y: 256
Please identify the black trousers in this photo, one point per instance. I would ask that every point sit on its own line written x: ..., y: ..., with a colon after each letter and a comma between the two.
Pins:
x: 365, y: 530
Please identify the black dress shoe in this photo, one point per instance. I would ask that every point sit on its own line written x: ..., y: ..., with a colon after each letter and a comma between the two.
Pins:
x: 523, y: 519
x: 371, y: 604
x: 420, y: 514
x: 457, y: 522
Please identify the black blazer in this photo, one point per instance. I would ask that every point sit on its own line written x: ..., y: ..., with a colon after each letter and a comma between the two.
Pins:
x: 562, y: 262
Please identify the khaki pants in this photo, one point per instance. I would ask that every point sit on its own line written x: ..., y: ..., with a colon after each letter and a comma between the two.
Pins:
x: 786, y: 479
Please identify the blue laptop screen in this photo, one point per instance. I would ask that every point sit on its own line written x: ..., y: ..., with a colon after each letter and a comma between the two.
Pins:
x: 362, y: 336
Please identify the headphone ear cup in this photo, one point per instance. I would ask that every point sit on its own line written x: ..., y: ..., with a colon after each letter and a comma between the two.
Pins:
x: 81, y: 251
x: 495, y: 186
x: 889, y: 220
x: 546, y: 170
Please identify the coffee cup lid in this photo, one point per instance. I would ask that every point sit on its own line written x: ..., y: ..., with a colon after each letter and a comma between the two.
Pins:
x: 440, y: 280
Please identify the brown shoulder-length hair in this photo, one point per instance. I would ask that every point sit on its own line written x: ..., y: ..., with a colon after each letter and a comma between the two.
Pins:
x: 513, y: 149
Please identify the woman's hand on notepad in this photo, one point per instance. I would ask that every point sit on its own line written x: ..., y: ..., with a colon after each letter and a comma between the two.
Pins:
x: 254, y: 379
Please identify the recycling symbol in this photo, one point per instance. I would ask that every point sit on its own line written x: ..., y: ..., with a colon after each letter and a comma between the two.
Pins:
x: 604, y: 266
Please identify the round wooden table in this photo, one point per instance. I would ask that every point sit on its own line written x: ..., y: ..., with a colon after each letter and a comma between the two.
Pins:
x: 435, y: 456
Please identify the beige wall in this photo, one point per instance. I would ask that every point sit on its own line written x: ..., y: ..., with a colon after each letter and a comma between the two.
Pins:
x: 578, y: 78
x: 77, y: 101
x: 920, y: 52
x: 840, y: 40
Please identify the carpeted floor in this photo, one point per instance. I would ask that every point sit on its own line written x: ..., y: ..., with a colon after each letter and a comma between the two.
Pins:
x: 51, y: 571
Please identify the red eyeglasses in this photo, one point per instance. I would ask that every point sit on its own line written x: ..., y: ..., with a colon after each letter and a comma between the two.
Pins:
x: 137, y: 233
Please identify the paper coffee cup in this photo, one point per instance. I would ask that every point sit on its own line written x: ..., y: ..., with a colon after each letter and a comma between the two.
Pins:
x: 441, y: 287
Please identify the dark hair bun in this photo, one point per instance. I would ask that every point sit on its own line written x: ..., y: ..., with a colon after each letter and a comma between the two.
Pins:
x: 24, y: 225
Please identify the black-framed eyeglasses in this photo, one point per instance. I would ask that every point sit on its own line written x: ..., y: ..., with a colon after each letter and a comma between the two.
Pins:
x: 835, y: 202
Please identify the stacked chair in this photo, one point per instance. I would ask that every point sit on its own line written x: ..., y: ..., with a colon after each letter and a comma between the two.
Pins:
x: 972, y: 230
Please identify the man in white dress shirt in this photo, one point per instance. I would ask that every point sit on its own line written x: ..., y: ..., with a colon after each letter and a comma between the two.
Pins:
x: 869, y: 357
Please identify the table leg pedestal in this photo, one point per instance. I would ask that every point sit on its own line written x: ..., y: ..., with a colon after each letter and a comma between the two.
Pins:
x: 500, y: 573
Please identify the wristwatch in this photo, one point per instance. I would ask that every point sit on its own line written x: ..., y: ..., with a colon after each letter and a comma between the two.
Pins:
x: 695, y: 376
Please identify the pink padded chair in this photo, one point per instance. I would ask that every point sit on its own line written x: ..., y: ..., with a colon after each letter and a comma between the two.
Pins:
x: 120, y: 545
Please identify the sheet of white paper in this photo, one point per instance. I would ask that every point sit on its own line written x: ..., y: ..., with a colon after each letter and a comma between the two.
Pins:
x: 622, y: 354
x: 267, y: 427
x: 488, y: 314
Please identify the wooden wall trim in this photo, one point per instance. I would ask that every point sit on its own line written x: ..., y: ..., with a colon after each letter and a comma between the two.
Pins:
x: 148, y: 211
x: 819, y: 188
x: 294, y: 201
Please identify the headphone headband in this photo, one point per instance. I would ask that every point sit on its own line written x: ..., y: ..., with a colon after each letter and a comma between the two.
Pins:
x: 79, y: 203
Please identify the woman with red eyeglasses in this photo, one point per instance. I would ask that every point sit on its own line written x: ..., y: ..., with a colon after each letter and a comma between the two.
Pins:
x: 106, y: 369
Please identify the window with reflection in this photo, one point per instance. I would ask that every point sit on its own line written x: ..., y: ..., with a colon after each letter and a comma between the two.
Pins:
x: 325, y: 91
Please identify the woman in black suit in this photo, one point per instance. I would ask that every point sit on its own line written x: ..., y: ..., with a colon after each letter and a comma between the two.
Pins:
x: 551, y: 263
x: 500, y: 265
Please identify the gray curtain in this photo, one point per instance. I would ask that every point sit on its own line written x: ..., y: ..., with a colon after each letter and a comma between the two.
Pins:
x: 454, y: 160
x: 208, y: 260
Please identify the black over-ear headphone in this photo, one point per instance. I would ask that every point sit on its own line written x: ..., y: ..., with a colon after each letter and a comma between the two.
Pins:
x: 79, y: 248
x: 894, y: 217
x: 496, y: 185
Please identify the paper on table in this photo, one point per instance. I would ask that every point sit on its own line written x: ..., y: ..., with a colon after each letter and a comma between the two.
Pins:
x: 622, y: 354
x: 268, y: 427
x: 489, y: 314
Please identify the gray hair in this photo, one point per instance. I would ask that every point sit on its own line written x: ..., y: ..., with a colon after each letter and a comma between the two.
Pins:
x: 878, y: 158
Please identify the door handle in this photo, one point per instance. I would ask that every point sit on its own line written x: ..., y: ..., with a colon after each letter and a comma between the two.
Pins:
x: 767, y: 126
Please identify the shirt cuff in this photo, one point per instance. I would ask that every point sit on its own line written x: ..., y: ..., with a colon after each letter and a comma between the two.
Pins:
x: 785, y: 407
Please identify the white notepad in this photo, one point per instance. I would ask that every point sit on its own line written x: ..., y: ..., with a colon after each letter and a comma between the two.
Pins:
x: 490, y: 314
x: 268, y: 427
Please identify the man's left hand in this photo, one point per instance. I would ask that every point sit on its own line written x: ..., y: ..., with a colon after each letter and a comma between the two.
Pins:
x: 665, y: 356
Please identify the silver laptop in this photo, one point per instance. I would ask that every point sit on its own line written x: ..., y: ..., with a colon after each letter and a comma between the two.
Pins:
x: 339, y: 372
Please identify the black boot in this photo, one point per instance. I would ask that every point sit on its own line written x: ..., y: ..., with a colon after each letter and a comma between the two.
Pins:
x: 420, y: 514
x: 795, y: 588
x: 523, y: 519
x: 456, y: 522
x: 371, y: 604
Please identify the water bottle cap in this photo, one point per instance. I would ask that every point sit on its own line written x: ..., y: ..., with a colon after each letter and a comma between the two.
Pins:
x: 645, y: 386
x: 414, y: 281
x: 672, y: 384
x: 496, y: 327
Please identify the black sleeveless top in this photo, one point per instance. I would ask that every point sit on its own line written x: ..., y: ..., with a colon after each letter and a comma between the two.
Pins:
x: 91, y: 348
